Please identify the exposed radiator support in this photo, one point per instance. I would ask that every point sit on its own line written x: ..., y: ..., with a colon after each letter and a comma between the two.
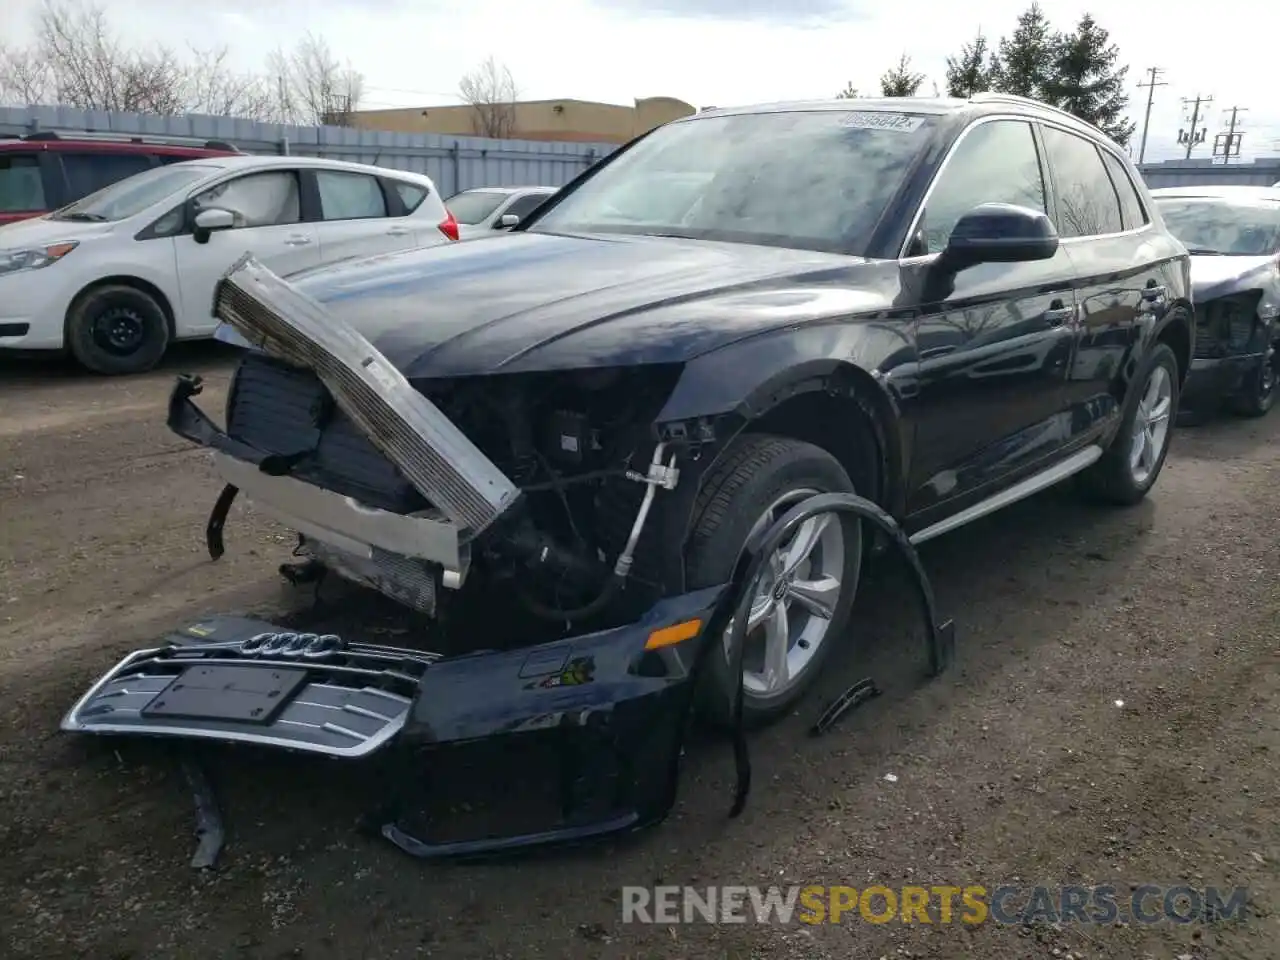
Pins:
x: 432, y: 453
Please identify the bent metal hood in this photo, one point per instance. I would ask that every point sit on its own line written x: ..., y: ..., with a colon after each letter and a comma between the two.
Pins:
x: 1214, y: 276
x: 527, y: 301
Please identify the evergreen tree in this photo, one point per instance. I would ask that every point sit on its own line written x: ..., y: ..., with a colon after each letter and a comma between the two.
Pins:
x: 1025, y: 63
x: 970, y: 72
x: 849, y: 92
x: 1087, y: 82
x: 901, y: 81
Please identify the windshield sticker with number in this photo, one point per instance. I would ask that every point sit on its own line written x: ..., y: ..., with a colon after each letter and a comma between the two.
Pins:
x: 901, y: 122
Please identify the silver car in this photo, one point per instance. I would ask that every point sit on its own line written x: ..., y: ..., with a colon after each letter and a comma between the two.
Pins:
x: 494, y: 208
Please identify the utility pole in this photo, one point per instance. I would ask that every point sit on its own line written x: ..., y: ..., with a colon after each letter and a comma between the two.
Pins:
x: 1193, y: 137
x: 1153, y: 81
x: 1231, y: 146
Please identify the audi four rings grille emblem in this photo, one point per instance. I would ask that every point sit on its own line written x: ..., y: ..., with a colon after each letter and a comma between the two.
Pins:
x: 308, y: 646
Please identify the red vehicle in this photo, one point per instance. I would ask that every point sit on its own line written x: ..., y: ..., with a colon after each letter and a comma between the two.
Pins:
x: 43, y: 171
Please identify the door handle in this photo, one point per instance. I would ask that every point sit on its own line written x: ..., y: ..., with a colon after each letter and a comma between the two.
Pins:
x: 297, y: 241
x: 1057, y: 314
x: 398, y: 232
x: 1151, y: 292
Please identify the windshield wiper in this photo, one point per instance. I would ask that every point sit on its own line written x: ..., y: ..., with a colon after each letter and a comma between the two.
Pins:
x: 86, y: 217
x: 1204, y: 252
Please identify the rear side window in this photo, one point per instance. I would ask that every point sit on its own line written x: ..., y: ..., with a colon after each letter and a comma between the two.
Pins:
x: 411, y: 194
x: 350, y: 196
x: 88, y: 172
x: 21, y: 188
x: 1134, y: 214
x: 1088, y: 205
x: 996, y: 162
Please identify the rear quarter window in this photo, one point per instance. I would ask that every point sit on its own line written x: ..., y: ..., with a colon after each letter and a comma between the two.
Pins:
x: 411, y: 194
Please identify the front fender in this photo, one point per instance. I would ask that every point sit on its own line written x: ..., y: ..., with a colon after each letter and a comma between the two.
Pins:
x: 750, y: 376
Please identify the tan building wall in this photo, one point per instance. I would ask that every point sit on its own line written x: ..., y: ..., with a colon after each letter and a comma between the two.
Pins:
x: 576, y: 120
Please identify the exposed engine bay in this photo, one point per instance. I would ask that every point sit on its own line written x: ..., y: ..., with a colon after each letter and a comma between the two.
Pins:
x: 538, y: 485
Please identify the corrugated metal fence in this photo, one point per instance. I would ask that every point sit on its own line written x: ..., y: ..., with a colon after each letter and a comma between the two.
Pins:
x: 454, y: 163
x: 1203, y: 173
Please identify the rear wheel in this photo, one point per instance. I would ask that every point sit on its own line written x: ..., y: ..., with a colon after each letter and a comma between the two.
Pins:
x: 1130, y: 466
x: 801, y: 600
x: 117, y: 330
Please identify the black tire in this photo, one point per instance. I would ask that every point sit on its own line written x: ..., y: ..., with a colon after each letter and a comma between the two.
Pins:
x: 115, y: 330
x: 1258, y: 391
x: 1111, y: 479
x: 754, y: 472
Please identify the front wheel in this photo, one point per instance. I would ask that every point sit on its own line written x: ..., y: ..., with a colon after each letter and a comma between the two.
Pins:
x: 117, y: 330
x: 802, y: 598
x: 1259, y: 389
x: 1131, y: 464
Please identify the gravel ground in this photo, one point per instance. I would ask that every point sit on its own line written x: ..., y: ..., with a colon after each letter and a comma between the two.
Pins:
x: 1019, y: 767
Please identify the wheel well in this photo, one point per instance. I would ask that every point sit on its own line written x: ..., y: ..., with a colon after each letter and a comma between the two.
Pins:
x: 1178, y: 337
x: 136, y: 283
x: 840, y: 424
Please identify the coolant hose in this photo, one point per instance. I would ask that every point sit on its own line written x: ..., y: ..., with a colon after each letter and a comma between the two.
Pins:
x: 941, y: 635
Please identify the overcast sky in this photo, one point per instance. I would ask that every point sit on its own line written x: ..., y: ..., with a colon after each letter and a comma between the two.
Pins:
x: 721, y: 52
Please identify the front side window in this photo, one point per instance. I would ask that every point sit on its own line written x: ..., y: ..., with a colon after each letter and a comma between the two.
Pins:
x: 995, y: 162
x: 1088, y: 205
x: 350, y: 196
x: 1208, y: 225
x: 816, y: 180
x: 525, y: 205
x: 21, y: 187
x: 265, y: 199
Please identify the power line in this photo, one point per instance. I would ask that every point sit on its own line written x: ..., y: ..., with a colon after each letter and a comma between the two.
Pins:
x: 1191, y: 136
x: 1153, y: 81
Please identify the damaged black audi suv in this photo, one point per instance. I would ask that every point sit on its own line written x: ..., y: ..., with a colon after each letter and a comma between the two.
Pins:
x: 560, y: 443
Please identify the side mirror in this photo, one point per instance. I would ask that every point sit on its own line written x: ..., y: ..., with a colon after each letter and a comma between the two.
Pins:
x: 508, y: 220
x: 210, y: 221
x: 999, y: 233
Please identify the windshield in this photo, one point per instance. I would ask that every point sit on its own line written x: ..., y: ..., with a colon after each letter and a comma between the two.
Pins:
x: 816, y: 180
x: 124, y: 198
x: 473, y: 206
x: 1214, y: 226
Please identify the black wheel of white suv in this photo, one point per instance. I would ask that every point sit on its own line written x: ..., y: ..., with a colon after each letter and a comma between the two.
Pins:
x: 1130, y: 465
x: 117, y: 329
x: 802, y: 597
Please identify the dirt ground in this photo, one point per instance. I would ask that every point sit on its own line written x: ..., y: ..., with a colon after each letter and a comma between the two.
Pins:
x: 1018, y: 767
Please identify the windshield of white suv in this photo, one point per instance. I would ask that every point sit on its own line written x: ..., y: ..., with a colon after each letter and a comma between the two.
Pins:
x: 1210, y: 225
x: 816, y: 180
x: 124, y: 198
x: 473, y: 206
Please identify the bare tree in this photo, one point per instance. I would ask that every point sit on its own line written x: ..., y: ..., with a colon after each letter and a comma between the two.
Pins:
x: 850, y: 92
x: 491, y: 91
x: 76, y: 60
x: 310, y: 85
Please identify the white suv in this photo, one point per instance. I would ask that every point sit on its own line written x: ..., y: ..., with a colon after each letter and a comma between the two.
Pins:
x: 117, y: 276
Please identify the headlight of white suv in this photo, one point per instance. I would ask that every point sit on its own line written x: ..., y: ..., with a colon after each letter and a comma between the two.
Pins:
x: 34, y: 258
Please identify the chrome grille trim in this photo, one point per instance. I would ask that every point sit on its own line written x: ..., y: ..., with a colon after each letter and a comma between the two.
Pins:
x: 434, y: 455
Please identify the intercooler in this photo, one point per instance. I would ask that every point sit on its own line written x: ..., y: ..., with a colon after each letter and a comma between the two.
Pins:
x: 429, y: 450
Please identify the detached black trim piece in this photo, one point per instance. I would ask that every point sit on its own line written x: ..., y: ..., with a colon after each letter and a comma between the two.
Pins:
x: 14, y: 329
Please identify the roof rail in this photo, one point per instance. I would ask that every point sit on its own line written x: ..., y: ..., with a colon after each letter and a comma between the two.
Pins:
x: 1024, y: 101
x: 158, y: 139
